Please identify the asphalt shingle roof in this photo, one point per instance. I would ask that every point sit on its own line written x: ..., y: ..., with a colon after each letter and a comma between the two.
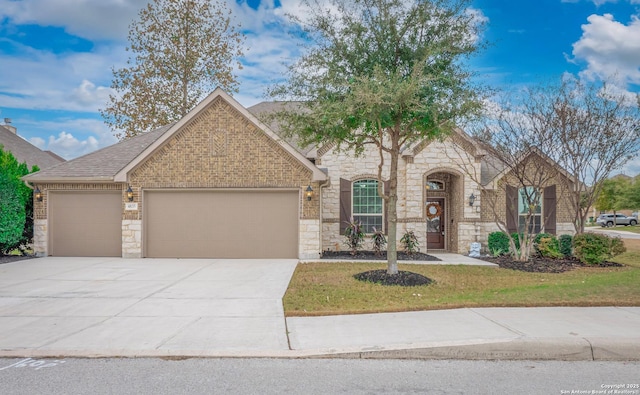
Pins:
x: 24, y: 151
x: 103, y: 164
x: 264, y: 109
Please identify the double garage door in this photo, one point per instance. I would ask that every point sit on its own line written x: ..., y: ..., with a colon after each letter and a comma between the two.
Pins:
x: 221, y: 224
x: 179, y: 224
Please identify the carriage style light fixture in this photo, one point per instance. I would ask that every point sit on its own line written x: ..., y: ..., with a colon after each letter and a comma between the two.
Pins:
x: 38, y: 194
x: 309, y: 193
x: 130, y: 194
x: 472, y: 199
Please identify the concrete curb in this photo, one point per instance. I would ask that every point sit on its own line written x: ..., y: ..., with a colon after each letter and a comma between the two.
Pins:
x: 542, y: 349
x: 546, y: 349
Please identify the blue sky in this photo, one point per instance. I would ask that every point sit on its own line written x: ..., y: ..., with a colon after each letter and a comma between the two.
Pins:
x: 56, y: 55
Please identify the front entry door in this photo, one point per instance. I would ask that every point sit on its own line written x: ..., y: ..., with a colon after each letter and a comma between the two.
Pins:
x: 435, y: 223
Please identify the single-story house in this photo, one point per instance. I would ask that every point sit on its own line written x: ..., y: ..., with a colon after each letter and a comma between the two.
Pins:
x: 220, y: 183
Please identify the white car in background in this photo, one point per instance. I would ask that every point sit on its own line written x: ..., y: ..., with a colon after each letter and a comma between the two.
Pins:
x: 610, y: 220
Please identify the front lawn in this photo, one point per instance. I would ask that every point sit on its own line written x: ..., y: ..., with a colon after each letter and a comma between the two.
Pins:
x: 329, y: 288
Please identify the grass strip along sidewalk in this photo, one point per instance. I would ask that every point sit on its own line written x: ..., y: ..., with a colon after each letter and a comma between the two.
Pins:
x: 329, y: 288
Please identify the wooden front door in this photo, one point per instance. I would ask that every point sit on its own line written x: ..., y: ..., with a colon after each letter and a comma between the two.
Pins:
x: 435, y: 223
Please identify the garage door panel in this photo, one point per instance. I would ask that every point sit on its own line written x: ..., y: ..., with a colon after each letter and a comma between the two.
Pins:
x: 221, y: 224
x: 85, y: 224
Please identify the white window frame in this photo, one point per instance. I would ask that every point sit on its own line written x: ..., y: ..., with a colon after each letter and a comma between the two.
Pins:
x: 523, y: 210
x: 371, y: 213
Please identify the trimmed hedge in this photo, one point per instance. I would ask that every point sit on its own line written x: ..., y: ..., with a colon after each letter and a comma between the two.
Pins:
x: 594, y: 248
x: 498, y: 243
x: 565, y: 243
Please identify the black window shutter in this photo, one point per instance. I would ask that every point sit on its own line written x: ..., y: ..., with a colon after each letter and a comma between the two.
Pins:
x: 345, y: 204
x: 549, y: 208
x: 512, y: 209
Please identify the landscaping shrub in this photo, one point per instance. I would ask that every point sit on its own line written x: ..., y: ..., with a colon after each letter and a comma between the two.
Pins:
x: 410, y: 242
x: 594, y: 248
x: 16, y: 208
x: 548, y: 247
x: 617, y: 246
x: 378, y: 241
x: 354, y: 235
x: 564, y: 245
x: 539, y: 236
x: 498, y: 243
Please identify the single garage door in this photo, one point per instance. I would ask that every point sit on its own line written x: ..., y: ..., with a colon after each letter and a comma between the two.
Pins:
x: 221, y: 224
x: 85, y: 224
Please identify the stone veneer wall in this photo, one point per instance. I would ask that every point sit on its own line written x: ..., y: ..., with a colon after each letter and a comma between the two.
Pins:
x: 435, y: 157
x: 131, y: 238
x: 309, y: 239
x: 40, y: 237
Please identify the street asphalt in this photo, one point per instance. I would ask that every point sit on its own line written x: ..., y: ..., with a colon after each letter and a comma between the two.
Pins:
x: 113, y: 307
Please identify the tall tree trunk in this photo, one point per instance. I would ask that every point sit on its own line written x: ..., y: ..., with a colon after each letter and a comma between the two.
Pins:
x: 392, y: 251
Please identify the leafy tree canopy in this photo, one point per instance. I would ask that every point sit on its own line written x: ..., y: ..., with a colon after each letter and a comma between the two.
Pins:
x: 375, y: 68
x: 381, y: 72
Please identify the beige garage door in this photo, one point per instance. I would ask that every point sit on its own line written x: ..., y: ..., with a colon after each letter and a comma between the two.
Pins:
x: 221, y: 224
x: 85, y: 224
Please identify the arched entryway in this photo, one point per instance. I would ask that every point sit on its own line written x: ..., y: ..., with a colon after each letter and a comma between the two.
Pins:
x: 442, y: 209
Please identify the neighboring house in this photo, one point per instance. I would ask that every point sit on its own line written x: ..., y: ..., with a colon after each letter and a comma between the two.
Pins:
x: 219, y: 183
x: 24, y: 151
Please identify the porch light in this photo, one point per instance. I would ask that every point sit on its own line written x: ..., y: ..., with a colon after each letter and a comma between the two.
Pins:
x: 130, y: 194
x: 38, y: 194
x: 309, y: 193
x: 472, y: 199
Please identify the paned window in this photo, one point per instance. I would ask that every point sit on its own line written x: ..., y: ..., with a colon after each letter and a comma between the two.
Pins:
x: 367, y: 205
x: 530, y: 205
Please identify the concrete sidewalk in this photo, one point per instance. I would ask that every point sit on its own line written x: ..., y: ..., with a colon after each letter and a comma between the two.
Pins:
x: 548, y: 333
x: 111, y: 307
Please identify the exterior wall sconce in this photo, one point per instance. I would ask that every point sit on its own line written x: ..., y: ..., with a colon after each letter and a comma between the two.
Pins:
x: 38, y: 194
x: 309, y: 193
x: 472, y: 199
x: 130, y: 194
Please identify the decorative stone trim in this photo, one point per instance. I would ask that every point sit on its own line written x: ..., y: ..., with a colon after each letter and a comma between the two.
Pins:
x: 309, y: 239
x: 40, y: 237
x: 132, y: 239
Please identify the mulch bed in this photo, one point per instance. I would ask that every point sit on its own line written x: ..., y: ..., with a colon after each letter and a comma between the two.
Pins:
x: 404, y: 278
x: 544, y: 265
x: 13, y: 258
x: 371, y: 256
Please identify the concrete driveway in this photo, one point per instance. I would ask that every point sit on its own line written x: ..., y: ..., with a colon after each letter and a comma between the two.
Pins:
x: 144, y: 306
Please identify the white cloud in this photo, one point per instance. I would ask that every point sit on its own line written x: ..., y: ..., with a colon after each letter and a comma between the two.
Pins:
x: 68, y: 138
x: 66, y: 145
x: 610, y: 49
x: 90, y: 19
x: 36, y: 79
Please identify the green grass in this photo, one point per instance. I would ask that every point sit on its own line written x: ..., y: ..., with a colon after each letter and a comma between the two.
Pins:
x: 329, y: 288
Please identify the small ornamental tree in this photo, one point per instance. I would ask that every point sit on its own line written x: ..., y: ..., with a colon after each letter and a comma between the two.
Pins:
x: 16, y: 210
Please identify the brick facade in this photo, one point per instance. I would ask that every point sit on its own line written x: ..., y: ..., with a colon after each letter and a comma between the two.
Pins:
x: 218, y: 148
